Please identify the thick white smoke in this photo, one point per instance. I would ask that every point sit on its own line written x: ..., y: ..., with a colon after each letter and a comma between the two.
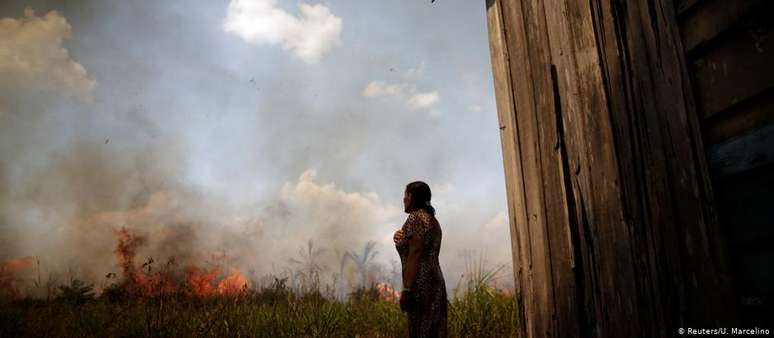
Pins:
x: 183, y: 151
x: 32, y: 56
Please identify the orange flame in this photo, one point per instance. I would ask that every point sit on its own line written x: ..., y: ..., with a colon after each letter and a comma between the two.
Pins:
x: 154, y: 285
x: 125, y: 250
x: 387, y: 293
x: 17, y: 264
x: 233, y: 284
x: 200, y: 281
x: 7, y: 279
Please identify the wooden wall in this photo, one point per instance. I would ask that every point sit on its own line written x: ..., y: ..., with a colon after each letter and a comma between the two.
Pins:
x: 729, y: 47
x: 611, y: 207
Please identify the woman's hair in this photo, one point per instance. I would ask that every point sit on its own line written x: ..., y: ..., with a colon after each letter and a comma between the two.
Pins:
x: 420, y: 196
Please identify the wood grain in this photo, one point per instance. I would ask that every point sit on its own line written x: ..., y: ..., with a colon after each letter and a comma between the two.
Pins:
x: 612, y: 219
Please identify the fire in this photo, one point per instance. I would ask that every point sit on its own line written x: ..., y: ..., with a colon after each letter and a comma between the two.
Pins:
x: 17, y: 264
x: 508, y: 292
x: 233, y: 284
x: 201, y: 282
x: 198, y: 282
x: 7, y: 276
x: 125, y: 251
x: 387, y: 292
x: 156, y: 284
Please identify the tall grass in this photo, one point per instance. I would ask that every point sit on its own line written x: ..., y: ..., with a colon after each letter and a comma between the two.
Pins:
x: 477, y: 309
x: 272, y: 312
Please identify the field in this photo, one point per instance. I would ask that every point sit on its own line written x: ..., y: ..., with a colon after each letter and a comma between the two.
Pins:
x: 170, y: 300
x: 272, y: 311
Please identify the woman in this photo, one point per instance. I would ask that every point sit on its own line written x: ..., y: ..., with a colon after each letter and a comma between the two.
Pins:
x: 424, y: 291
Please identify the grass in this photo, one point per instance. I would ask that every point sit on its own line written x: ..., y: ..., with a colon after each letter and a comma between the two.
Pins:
x: 273, y: 311
x: 152, y: 302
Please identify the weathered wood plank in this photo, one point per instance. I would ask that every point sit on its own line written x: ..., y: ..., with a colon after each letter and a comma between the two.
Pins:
x: 674, y: 208
x: 511, y: 158
x: 554, y: 203
x: 751, y: 114
x: 737, y: 70
x: 691, y: 218
x: 714, y: 18
x: 613, y: 221
x: 681, y: 6
x: 585, y: 119
x: 521, y: 72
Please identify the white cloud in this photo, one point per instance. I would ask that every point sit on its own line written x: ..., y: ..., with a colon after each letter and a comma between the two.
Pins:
x: 373, y: 89
x: 309, y: 36
x: 406, y: 92
x: 379, y: 88
x: 32, y: 56
x: 475, y: 108
x: 423, y: 100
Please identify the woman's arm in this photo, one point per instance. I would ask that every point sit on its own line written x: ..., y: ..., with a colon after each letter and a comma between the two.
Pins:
x: 416, y: 248
x: 413, y: 236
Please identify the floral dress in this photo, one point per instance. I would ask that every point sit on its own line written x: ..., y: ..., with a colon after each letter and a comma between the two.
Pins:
x: 427, y: 318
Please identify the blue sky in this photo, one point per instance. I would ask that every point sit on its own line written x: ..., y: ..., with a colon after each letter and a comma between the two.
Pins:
x: 285, y: 120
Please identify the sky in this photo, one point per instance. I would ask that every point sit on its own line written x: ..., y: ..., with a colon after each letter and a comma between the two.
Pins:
x: 246, y: 127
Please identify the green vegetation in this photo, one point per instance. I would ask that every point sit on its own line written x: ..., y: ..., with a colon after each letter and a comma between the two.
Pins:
x: 194, y: 302
x: 273, y: 311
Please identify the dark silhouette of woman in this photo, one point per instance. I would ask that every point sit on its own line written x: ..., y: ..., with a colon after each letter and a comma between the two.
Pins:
x: 418, y: 242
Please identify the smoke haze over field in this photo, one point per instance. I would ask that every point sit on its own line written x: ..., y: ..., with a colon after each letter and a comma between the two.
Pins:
x: 244, y: 127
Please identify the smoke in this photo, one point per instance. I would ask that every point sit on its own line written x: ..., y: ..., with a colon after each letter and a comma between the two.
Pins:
x: 186, y: 226
x: 473, y: 249
x: 110, y: 120
x: 345, y: 219
x: 33, y: 57
x: 8, y: 270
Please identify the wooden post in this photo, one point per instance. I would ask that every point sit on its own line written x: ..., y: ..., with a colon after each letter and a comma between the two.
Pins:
x: 613, y: 228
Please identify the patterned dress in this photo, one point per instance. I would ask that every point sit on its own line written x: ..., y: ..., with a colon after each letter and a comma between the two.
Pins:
x: 428, y: 316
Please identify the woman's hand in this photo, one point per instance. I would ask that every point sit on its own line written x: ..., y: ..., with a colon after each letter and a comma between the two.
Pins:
x: 398, y: 236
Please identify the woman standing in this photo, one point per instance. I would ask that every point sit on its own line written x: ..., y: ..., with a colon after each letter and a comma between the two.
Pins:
x: 418, y: 242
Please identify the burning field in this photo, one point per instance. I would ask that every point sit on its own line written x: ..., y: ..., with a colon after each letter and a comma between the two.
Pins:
x: 177, y: 298
x: 172, y: 262
x: 195, y: 281
x: 168, y: 177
